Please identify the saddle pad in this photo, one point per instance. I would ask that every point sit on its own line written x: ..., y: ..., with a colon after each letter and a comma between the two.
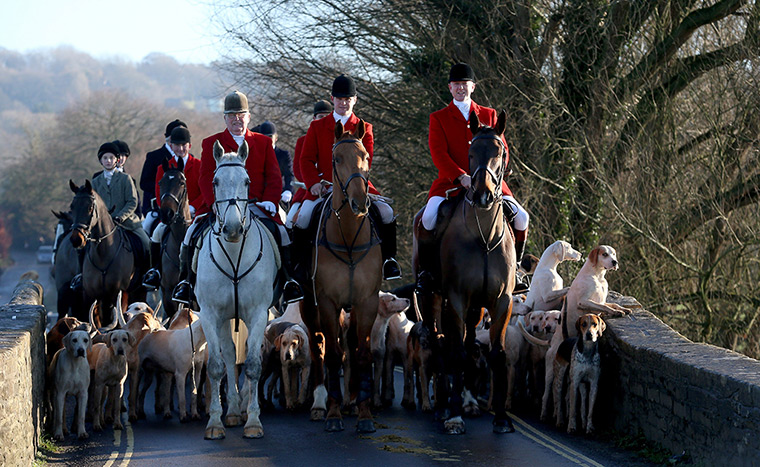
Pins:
x: 268, y: 234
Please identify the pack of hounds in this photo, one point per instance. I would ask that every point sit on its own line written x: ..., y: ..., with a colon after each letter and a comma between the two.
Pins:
x: 551, y: 342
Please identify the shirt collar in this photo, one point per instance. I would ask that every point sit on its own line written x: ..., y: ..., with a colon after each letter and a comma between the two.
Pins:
x: 169, y: 148
x: 341, y: 118
x: 464, y: 107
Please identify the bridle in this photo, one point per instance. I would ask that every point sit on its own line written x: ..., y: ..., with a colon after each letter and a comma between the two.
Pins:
x: 497, y: 178
x: 230, y: 201
x: 86, y: 229
x: 173, y: 197
x: 344, y: 186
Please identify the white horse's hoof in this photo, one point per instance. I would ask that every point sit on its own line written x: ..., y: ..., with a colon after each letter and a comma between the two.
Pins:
x: 214, y: 432
x: 233, y: 420
x: 253, y: 432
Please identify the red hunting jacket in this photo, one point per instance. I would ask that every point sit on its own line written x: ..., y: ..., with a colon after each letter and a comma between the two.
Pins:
x: 262, y: 167
x: 300, y: 194
x: 316, y: 156
x: 192, y: 173
x: 449, y: 140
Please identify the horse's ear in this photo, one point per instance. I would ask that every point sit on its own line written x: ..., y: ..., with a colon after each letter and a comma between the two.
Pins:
x: 73, y: 186
x: 474, y: 122
x: 88, y: 186
x: 180, y: 164
x: 165, y: 165
x: 243, y: 151
x: 361, y: 129
x: 501, y: 123
x: 338, y: 130
x: 218, y: 151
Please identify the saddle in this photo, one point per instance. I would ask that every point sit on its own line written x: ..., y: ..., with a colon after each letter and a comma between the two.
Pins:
x: 206, y: 228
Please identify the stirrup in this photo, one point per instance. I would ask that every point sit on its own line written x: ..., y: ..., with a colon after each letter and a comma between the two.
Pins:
x: 76, y: 283
x: 183, y: 293
x: 391, y: 269
x: 152, y: 279
x: 291, y: 292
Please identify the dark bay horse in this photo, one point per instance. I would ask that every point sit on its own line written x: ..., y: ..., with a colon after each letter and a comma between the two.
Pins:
x: 109, y: 265
x: 347, y: 276
x: 175, y: 214
x: 65, y: 267
x: 477, y: 263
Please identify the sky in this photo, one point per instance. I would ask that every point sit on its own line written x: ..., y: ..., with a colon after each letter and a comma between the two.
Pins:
x: 128, y: 29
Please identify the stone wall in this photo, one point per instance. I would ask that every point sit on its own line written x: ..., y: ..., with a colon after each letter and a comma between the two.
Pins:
x: 693, y: 398
x: 22, y: 375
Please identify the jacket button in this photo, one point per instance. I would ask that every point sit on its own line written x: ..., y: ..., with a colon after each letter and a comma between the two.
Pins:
x: 468, y: 125
x: 469, y: 142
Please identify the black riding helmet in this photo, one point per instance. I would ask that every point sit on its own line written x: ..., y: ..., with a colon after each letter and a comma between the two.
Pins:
x: 123, y: 147
x: 105, y: 148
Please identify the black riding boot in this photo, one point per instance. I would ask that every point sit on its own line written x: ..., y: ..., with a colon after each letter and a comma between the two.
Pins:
x: 427, y: 256
x: 300, y: 250
x: 291, y: 291
x: 183, y: 293
x: 76, y: 281
x: 152, y: 278
x: 520, y: 286
x: 387, y: 233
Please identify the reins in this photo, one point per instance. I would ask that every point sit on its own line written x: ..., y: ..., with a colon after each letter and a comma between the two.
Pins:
x: 235, y: 277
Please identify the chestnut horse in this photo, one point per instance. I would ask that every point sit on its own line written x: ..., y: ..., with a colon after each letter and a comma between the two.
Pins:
x: 175, y: 214
x: 109, y: 265
x: 347, y: 275
x: 477, y: 263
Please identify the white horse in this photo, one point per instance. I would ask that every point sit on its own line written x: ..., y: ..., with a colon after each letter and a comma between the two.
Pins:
x: 236, y: 273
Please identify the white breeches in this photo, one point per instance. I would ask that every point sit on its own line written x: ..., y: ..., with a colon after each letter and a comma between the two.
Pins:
x: 430, y: 214
x: 303, y: 215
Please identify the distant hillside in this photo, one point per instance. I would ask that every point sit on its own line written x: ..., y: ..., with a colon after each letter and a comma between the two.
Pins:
x: 48, y: 81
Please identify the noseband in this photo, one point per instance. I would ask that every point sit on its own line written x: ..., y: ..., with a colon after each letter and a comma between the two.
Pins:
x: 230, y: 201
x: 497, y: 178
x: 344, y: 186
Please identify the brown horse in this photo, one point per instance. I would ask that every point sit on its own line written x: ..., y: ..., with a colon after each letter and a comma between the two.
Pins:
x: 109, y: 264
x: 175, y: 214
x: 347, y: 276
x: 65, y: 267
x: 477, y: 264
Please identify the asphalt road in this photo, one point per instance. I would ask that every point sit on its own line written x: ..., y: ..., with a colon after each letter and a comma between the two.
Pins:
x: 402, y: 437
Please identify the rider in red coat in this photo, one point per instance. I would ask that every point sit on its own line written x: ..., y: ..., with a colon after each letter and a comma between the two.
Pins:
x: 321, y: 110
x: 449, y: 139
x: 179, y: 141
x: 316, y: 167
x: 265, y: 189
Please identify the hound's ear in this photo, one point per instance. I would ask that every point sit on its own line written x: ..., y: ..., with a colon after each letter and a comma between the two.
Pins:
x: 132, y: 339
x: 218, y: 151
x: 559, y: 319
x: 602, y: 325
x: 73, y: 186
x: 578, y: 325
x: 361, y: 130
x: 278, y: 343
x: 67, y: 340
x: 593, y: 257
x: 474, y: 122
x: 89, y: 343
x: 501, y: 123
x: 300, y: 341
x: 338, y: 130
x: 108, y: 339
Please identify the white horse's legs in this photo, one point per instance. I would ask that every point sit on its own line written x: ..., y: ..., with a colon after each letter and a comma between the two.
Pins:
x: 215, y: 370
x: 256, y: 325
x: 233, y: 418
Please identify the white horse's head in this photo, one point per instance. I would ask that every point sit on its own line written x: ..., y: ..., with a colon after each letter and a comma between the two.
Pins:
x: 230, y: 184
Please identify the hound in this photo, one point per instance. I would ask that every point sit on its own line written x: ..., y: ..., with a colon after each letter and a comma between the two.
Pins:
x: 399, y: 327
x: 54, y: 337
x: 547, y: 287
x: 175, y: 354
x: 292, y: 344
x: 419, y: 352
x: 388, y: 305
x: 581, y: 354
x: 109, y: 362
x: 69, y: 373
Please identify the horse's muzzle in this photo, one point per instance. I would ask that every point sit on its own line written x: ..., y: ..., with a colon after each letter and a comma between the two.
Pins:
x: 232, y: 235
x: 360, y: 209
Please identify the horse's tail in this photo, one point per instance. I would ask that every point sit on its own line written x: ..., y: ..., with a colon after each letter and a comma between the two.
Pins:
x: 119, y: 315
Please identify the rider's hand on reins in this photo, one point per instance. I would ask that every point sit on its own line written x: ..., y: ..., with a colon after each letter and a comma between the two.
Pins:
x: 268, y: 207
x: 465, y: 180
